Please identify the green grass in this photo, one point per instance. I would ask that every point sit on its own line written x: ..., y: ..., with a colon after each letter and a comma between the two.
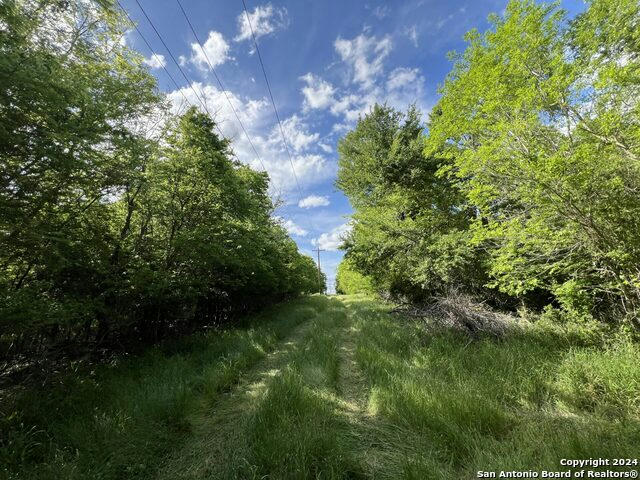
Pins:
x: 523, y: 402
x: 335, y: 388
x: 119, y: 420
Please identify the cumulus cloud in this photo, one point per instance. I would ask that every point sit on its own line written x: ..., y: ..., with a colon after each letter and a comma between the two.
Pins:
x: 318, y: 93
x: 313, y: 201
x: 155, y: 61
x: 333, y: 239
x: 296, y: 132
x: 363, y: 62
x: 365, y: 55
x: 257, y: 117
x: 402, y: 87
x: 215, y: 49
x: 401, y: 77
x: 265, y: 19
x: 291, y: 227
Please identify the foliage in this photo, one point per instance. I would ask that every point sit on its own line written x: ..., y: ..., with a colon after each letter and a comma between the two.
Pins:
x: 349, y: 281
x: 332, y: 388
x: 121, y: 420
x: 450, y: 407
x: 540, y: 119
x: 526, y: 190
x: 119, y: 220
x: 409, y: 233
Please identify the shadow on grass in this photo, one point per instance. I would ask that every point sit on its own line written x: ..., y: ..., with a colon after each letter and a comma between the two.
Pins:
x: 335, y: 388
x: 120, y: 420
x: 522, y: 402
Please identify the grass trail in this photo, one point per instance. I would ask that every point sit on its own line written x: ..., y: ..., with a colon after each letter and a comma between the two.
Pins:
x: 338, y: 388
x: 215, y: 424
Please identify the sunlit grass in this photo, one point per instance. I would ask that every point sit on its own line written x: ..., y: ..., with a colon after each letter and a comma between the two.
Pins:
x: 521, y: 402
x: 336, y: 388
x: 119, y: 420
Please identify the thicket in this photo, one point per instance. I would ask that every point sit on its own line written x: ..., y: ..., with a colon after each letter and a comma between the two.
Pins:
x: 119, y: 221
x: 523, y: 185
x: 349, y: 281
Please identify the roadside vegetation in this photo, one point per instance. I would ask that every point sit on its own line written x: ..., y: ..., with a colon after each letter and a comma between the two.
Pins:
x: 155, y: 318
x: 120, y: 420
x: 521, y: 187
x: 122, y: 220
x: 335, y: 388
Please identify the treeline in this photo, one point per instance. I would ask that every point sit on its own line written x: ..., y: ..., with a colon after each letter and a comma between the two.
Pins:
x: 119, y: 221
x: 524, y: 187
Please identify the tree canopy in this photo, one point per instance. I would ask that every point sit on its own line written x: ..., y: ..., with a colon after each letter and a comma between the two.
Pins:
x: 119, y: 220
x: 524, y: 182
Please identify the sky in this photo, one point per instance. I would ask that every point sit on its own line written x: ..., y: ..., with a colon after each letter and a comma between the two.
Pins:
x: 327, y: 63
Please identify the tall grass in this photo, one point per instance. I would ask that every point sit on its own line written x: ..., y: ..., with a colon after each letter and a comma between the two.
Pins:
x: 523, y: 402
x: 335, y: 388
x: 293, y: 429
x: 120, y: 420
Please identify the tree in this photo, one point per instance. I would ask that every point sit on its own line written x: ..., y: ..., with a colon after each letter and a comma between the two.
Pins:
x: 539, y: 118
x: 410, y: 223
x: 349, y: 281
x: 119, y: 221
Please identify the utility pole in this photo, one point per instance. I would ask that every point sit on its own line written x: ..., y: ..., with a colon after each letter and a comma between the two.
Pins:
x: 318, y: 250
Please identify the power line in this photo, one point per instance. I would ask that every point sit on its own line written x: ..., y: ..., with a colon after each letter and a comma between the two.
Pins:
x: 224, y: 91
x: 202, y: 103
x: 275, y: 109
x: 135, y: 25
x: 284, y: 141
x: 218, y: 80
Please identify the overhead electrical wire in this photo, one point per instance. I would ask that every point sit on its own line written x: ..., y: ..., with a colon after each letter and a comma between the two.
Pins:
x: 275, y: 110
x: 201, y: 101
x: 219, y: 81
x: 224, y: 90
x: 135, y: 25
x: 273, y: 103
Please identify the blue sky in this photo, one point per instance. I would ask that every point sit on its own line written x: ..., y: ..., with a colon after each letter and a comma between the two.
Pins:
x: 327, y: 62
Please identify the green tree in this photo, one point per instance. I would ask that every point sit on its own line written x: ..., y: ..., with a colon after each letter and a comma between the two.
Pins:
x: 410, y: 223
x: 118, y: 220
x: 539, y: 119
x: 349, y: 281
x: 69, y: 90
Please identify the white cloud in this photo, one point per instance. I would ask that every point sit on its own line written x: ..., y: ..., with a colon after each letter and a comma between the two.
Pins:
x: 342, y: 105
x: 332, y: 240
x: 317, y: 93
x: 313, y: 201
x: 412, y: 33
x: 257, y: 117
x: 182, y: 60
x: 402, y: 87
x: 215, y: 50
x: 296, y: 133
x: 291, y: 227
x: 365, y: 55
x: 340, y: 128
x: 155, y: 61
x: 265, y: 19
x: 325, y: 148
x: 381, y: 11
x: 401, y: 77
